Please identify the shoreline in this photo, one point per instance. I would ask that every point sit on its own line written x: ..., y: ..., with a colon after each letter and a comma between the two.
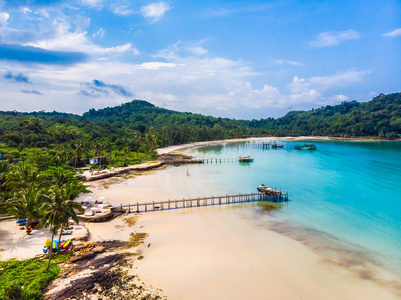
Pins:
x: 183, y: 240
x: 184, y: 147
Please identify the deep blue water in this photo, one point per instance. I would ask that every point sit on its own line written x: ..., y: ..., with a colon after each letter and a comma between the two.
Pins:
x: 348, y: 190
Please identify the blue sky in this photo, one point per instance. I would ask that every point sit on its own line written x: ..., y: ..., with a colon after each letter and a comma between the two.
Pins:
x: 239, y: 59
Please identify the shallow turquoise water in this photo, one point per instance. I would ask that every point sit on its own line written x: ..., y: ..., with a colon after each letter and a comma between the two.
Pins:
x: 350, y: 191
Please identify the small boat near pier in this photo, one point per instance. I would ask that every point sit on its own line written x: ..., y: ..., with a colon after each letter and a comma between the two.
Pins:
x: 305, y: 147
x: 245, y: 159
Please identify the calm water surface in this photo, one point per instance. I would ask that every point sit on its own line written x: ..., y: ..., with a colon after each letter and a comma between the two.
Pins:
x: 350, y: 191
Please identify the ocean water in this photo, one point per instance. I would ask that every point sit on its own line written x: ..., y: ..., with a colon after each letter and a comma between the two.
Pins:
x: 349, y: 192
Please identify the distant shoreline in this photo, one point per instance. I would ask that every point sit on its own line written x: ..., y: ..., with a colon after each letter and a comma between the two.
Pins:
x: 183, y: 147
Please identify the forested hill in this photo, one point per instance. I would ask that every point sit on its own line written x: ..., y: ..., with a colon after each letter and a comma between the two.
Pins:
x: 126, y: 125
x: 142, y: 114
x: 379, y: 117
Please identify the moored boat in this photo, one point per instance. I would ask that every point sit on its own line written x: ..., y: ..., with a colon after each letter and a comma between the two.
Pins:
x: 245, y: 159
x: 275, y: 146
x: 305, y: 147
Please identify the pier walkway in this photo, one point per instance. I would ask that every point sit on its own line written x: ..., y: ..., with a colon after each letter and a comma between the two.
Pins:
x: 272, y: 196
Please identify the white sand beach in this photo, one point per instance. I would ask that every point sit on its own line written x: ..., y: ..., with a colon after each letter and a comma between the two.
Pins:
x: 213, y: 253
x: 15, y: 243
x: 220, y: 253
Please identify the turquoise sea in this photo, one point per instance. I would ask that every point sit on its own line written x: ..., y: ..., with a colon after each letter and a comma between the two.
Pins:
x: 349, y: 192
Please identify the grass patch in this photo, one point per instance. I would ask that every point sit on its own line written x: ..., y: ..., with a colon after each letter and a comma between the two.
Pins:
x: 60, y: 257
x: 25, y: 279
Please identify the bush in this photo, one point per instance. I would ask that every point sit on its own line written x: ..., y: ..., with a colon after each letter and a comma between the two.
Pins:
x: 25, y: 279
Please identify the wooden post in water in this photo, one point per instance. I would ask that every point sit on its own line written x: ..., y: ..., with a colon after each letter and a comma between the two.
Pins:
x: 168, y: 203
x: 129, y: 208
x: 137, y: 207
x: 146, y: 207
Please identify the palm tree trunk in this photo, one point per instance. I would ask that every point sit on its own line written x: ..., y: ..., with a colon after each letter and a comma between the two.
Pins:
x: 59, y: 238
x: 50, y: 253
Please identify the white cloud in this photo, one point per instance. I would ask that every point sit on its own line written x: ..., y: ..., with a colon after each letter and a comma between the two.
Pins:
x: 339, y: 79
x: 283, y: 62
x: 299, y: 85
x: 98, y: 4
x: 155, y: 65
x: 65, y: 40
x: 26, y: 10
x: 168, y: 53
x: 332, y: 38
x: 122, y: 9
x: 322, y: 83
x: 155, y: 11
x: 339, y: 98
x: 99, y: 34
x: 294, y: 63
x: 197, y: 50
x: 394, y: 33
x: 3, y: 19
x: 118, y: 49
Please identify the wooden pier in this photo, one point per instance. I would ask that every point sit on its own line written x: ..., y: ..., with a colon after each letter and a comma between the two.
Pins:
x: 217, y: 160
x: 269, y: 146
x: 273, y: 196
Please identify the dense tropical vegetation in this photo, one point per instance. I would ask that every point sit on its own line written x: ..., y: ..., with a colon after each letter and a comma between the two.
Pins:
x: 25, y: 279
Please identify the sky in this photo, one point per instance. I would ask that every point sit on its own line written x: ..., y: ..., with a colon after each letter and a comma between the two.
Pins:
x: 238, y: 59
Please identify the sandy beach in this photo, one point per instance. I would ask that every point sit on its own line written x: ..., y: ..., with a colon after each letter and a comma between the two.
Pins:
x: 213, y: 253
x: 15, y: 243
x: 220, y: 253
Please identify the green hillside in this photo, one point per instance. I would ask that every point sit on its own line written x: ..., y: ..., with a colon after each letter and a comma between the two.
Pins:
x: 126, y: 125
x: 380, y: 117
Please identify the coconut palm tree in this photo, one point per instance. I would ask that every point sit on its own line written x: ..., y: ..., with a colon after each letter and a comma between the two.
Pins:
x: 113, y: 156
x: 56, y: 211
x: 138, y: 140
x: 25, y: 203
x: 79, y: 148
x: 23, y: 175
x: 126, y: 151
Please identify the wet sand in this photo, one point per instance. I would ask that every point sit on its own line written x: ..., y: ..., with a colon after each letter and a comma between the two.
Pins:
x: 214, y: 253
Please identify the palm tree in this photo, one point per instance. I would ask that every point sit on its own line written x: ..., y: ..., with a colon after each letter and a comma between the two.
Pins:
x: 113, y: 156
x: 79, y: 148
x: 24, y: 175
x: 138, y: 140
x: 56, y: 210
x: 125, y: 152
x: 25, y: 203
x: 98, y: 150
x: 4, y: 169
